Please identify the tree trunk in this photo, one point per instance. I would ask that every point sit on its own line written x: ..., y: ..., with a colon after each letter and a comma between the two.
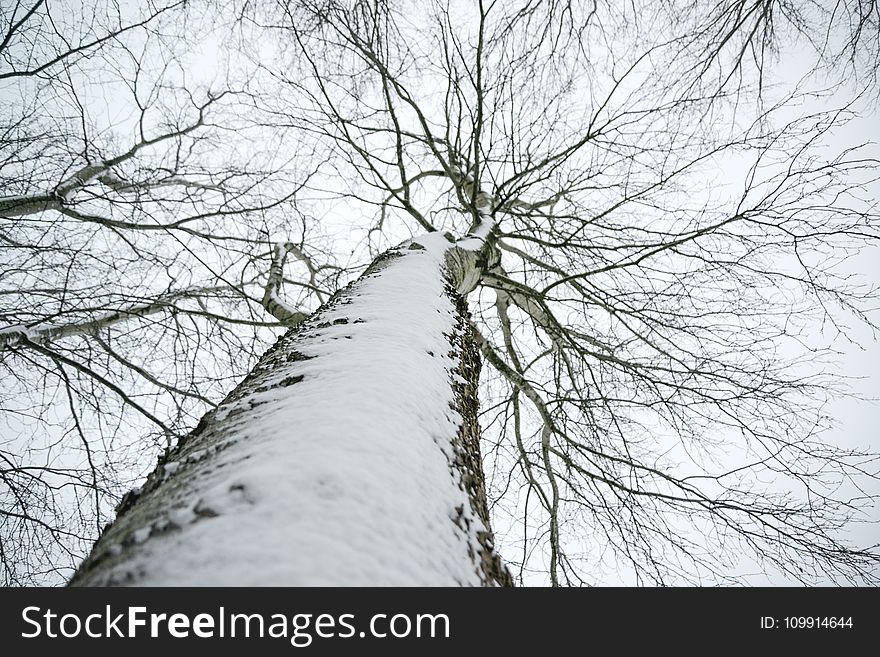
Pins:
x: 349, y: 456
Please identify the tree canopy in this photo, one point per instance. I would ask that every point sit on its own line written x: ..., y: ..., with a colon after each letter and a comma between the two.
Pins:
x: 672, y: 210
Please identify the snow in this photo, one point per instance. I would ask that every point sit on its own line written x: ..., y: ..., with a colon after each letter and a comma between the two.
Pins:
x: 476, y: 239
x: 14, y: 329
x: 470, y: 243
x: 341, y: 478
x: 484, y: 228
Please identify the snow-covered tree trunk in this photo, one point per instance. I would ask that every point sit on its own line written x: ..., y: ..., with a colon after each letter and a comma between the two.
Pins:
x: 349, y: 456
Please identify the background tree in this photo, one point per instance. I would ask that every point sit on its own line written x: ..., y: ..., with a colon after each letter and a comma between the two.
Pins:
x: 660, y: 221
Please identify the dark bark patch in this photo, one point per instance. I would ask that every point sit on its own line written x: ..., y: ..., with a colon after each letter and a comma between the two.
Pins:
x: 467, y: 460
x: 128, y: 500
x: 203, y: 511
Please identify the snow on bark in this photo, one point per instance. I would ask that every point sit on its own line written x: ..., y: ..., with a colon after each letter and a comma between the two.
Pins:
x: 349, y: 456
